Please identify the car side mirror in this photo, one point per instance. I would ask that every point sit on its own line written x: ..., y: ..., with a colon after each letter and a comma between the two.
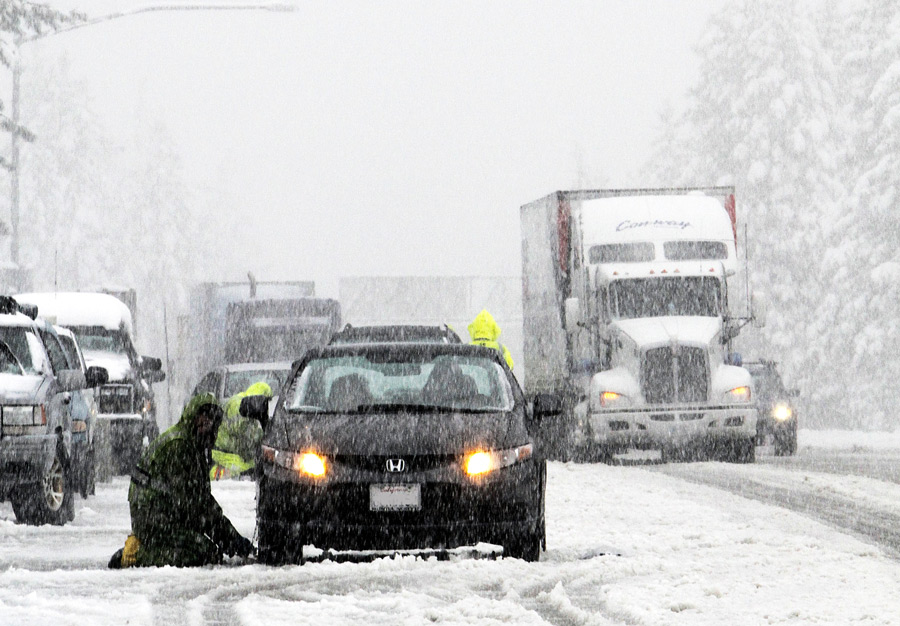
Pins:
x: 547, y: 404
x: 151, y: 367
x: 71, y: 380
x: 95, y: 376
x: 256, y: 408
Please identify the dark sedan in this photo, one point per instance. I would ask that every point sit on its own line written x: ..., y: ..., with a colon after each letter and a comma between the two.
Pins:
x: 400, y: 447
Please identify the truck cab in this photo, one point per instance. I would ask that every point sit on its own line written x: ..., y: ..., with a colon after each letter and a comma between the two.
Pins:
x: 645, y: 280
x: 126, y: 404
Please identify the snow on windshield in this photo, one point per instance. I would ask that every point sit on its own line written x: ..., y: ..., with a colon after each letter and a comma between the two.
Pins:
x: 349, y: 383
x: 658, y: 297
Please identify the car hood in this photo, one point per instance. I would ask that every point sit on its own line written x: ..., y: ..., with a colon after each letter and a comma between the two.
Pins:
x: 396, y: 433
x: 15, y: 389
x: 117, y: 365
x: 649, y: 331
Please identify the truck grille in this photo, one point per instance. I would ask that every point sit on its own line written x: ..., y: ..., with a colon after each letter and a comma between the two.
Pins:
x: 678, y: 374
x: 115, y: 399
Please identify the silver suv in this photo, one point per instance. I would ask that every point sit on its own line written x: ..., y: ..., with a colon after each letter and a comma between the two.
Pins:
x: 37, y: 384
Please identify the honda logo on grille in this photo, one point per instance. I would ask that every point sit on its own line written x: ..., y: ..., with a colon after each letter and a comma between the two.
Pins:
x: 395, y: 465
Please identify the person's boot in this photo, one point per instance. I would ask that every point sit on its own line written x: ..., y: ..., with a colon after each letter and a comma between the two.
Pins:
x: 115, y: 562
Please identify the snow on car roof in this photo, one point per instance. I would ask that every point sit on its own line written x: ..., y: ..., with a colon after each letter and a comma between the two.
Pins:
x: 252, y: 367
x: 81, y: 309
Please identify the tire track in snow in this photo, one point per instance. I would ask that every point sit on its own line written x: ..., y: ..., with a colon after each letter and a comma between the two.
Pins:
x: 864, y: 520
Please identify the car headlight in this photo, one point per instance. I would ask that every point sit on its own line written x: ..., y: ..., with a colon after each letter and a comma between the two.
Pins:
x: 484, y: 462
x: 24, y: 415
x: 307, y: 463
x: 610, y: 399
x: 739, y: 394
x: 782, y: 412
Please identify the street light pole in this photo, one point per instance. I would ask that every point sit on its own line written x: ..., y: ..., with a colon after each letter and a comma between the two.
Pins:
x: 277, y: 7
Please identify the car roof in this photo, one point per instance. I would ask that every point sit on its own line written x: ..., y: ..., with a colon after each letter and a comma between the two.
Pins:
x: 255, y: 367
x: 395, y: 333
x: 424, y: 348
x: 81, y: 309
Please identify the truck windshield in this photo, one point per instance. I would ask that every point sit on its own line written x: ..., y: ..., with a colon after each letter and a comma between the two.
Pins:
x: 659, y: 297
x: 99, y: 339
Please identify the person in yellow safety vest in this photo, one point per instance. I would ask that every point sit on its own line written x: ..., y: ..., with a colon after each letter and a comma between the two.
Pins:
x: 485, y: 331
x: 238, y: 438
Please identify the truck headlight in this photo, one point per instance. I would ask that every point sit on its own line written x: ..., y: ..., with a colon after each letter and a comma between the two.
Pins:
x: 782, y: 412
x: 486, y: 461
x: 739, y: 394
x: 610, y: 399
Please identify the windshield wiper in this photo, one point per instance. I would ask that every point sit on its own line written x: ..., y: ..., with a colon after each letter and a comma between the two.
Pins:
x: 422, y: 408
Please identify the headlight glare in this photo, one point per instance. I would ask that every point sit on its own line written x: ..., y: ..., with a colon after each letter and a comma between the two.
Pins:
x: 612, y: 398
x: 782, y: 412
x: 307, y: 464
x: 739, y: 394
x: 310, y: 463
x: 483, y: 462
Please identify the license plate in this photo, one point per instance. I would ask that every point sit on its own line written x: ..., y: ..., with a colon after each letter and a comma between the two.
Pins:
x: 395, y: 497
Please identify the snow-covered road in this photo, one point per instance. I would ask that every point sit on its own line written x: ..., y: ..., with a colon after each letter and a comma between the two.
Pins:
x: 626, y: 545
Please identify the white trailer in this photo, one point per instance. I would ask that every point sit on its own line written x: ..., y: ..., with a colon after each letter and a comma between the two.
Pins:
x: 627, y: 300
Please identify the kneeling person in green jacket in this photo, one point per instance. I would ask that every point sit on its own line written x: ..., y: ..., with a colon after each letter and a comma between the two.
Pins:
x: 175, y: 520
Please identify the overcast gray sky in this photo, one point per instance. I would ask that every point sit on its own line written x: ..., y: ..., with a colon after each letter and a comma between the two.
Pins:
x: 370, y: 138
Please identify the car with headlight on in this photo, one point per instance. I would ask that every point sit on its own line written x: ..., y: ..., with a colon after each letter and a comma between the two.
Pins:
x: 400, y: 446
x: 777, y: 416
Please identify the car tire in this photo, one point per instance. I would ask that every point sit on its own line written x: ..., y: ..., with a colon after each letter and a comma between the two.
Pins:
x: 524, y: 544
x: 51, y: 500
x: 89, y: 480
x: 786, y: 445
x: 275, y: 547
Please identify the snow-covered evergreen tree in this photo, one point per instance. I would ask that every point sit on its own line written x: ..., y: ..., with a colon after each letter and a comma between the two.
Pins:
x: 761, y: 117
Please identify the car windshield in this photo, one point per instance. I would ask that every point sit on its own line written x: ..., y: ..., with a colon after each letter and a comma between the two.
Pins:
x: 767, y: 383
x: 401, y: 380
x: 236, y: 382
x: 99, y: 339
x: 659, y: 297
x: 25, y: 345
x: 9, y: 364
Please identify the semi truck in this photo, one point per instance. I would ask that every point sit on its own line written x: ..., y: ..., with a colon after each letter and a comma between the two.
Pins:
x: 628, y: 320
x: 251, y: 322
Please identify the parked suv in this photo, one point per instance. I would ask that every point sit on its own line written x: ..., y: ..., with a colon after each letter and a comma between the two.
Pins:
x: 36, y: 388
x: 777, y: 416
x: 126, y: 405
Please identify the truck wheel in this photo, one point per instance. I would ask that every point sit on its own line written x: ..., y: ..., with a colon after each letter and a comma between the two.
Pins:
x: 742, y: 451
x: 48, y: 501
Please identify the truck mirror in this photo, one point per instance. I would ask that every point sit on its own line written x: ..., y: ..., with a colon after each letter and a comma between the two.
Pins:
x: 573, y: 314
x: 95, y: 376
x: 758, y: 309
x: 256, y: 408
x: 547, y: 404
